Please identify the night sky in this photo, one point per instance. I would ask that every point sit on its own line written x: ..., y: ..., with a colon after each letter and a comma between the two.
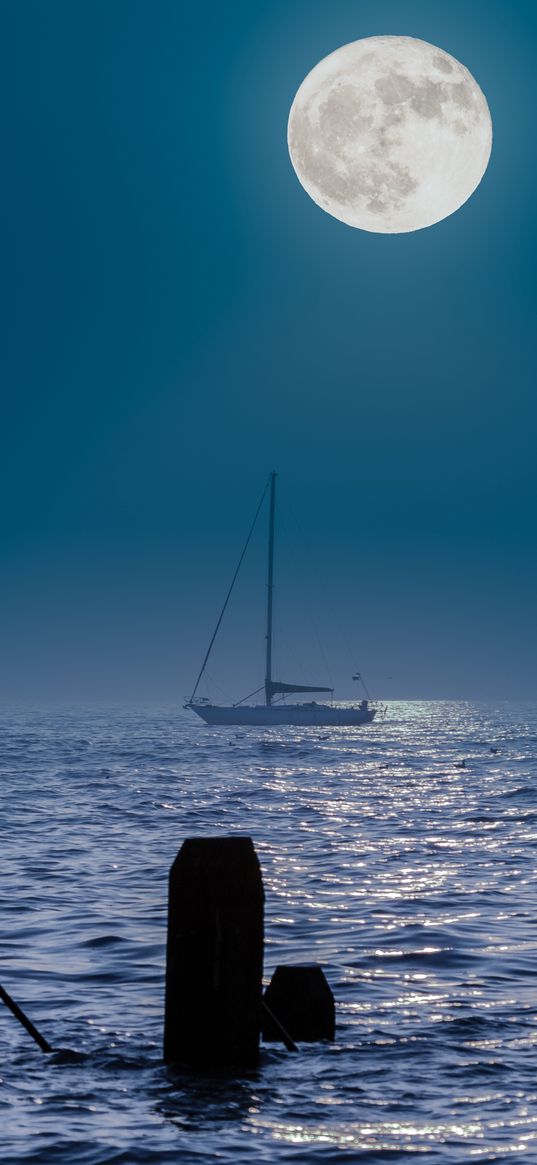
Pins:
x: 179, y: 318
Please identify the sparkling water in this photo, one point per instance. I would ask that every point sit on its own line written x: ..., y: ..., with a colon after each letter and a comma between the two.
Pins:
x: 407, y: 874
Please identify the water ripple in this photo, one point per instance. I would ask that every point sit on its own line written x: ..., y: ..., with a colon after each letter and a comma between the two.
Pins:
x: 409, y: 875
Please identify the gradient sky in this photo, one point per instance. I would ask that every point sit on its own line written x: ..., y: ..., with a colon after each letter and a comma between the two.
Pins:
x: 179, y: 318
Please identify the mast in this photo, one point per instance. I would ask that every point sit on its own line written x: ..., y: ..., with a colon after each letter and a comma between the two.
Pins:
x: 268, y: 669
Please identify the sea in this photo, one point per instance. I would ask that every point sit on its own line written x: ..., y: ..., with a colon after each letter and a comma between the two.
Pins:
x: 401, y: 856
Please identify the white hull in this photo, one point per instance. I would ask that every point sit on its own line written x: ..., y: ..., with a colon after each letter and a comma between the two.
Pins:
x: 322, y: 715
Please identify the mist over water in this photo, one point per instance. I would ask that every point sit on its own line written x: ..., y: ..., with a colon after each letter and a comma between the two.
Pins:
x: 409, y: 877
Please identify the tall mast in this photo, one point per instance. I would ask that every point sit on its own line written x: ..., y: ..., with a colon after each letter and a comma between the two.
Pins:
x: 268, y: 669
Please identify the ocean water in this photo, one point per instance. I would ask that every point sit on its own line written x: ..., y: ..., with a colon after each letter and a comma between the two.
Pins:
x: 410, y: 878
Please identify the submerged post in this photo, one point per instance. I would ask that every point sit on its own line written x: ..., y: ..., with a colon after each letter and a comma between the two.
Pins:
x: 214, y: 963
x: 302, y: 1000
x: 23, y: 1019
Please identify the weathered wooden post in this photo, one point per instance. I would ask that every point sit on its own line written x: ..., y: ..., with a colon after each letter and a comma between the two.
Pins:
x: 214, y: 964
x: 302, y: 1000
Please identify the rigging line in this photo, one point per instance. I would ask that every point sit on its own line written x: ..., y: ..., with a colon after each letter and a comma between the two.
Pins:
x: 228, y: 596
x: 343, y: 637
x: 364, y: 685
x: 238, y: 703
x: 210, y: 683
x: 211, y: 680
x: 305, y: 600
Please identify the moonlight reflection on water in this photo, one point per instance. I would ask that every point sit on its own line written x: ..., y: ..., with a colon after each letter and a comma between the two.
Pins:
x: 410, y: 880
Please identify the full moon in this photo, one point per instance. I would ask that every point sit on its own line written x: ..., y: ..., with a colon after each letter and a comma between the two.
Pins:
x: 389, y: 134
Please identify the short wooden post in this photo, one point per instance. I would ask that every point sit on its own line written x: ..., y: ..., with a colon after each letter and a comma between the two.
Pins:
x: 301, y: 999
x: 214, y: 964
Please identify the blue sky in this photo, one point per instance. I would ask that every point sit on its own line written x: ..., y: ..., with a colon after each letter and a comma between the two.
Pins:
x: 180, y: 318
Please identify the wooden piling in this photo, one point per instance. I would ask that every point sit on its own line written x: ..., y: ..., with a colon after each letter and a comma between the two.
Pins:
x: 214, y: 964
x: 301, y: 999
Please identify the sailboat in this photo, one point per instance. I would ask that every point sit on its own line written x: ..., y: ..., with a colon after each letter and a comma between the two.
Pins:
x: 275, y: 710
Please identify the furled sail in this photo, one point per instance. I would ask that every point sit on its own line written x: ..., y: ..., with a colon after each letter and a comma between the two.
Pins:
x: 275, y: 686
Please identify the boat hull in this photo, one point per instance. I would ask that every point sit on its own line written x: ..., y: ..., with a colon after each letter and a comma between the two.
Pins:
x: 301, y: 715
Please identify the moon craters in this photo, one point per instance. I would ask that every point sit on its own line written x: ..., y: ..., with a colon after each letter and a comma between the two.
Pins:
x: 389, y: 134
